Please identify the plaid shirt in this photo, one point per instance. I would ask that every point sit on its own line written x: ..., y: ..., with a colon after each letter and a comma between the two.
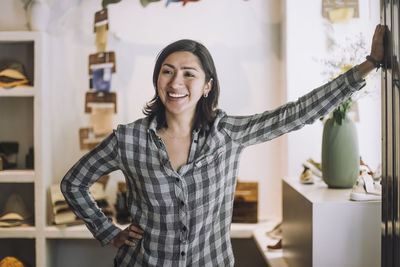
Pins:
x: 186, y: 215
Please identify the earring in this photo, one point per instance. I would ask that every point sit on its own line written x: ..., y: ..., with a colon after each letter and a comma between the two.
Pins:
x: 206, y: 95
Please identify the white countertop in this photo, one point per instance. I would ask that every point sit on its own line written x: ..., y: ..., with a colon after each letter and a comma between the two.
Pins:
x: 319, y: 192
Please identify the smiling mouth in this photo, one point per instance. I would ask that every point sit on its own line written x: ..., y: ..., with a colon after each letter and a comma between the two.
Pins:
x: 176, y: 95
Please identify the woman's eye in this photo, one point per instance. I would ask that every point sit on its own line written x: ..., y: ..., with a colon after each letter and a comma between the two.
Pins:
x: 188, y: 74
x: 166, y: 72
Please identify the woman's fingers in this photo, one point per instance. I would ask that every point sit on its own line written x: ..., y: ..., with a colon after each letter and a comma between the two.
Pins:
x: 135, y: 235
x: 377, y: 49
x: 130, y: 243
x: 133, y: 231
x: 135, y: 228
x: 125, y: 236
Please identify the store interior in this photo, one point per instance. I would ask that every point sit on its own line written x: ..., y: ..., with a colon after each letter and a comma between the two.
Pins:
x: 267, y: 53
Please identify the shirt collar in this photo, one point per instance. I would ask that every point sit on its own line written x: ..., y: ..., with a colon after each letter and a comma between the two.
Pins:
x: 153, y: 126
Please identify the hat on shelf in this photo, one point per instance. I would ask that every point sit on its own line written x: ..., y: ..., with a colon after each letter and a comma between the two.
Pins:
x: 12, y: 74
x: 14, y: 212
x: 11, y: 262
x: 146, y: 2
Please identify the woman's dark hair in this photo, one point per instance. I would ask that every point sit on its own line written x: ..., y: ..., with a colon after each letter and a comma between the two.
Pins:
x: 206, y: 107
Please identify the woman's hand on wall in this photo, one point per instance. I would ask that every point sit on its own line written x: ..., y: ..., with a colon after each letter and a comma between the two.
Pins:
x: 377, y: 51
x: 377, y: 47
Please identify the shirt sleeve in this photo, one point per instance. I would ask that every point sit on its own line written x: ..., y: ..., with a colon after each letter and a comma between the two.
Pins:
x: 249, y: 130
x: 75, y: 187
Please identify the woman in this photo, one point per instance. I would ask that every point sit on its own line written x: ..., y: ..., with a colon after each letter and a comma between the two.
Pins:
x: 181, y: 161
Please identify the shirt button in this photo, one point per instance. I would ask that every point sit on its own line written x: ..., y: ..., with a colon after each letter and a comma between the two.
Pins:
x: 184, y: 228
x: 177, y: 180
x: 183, y: 253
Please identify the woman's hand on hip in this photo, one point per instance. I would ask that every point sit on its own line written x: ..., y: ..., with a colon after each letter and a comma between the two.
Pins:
x: 126, y: 235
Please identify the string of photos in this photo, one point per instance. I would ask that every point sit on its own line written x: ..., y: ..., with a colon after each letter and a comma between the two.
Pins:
x: 101, y: 105
x: 100, y: 102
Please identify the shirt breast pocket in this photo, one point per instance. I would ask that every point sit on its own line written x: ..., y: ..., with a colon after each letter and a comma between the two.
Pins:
x: 210, y: 159
x: 209, y: 179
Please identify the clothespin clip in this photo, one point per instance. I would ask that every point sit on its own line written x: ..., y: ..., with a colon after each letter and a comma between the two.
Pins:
x: 101, y: 29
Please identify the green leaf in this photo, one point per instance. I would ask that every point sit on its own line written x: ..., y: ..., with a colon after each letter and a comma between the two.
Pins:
x: 105, y: 3
x: 339, y: 114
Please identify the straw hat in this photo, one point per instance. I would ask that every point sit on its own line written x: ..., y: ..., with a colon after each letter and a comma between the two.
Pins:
x: 12, y: 74
x: 14, y: 212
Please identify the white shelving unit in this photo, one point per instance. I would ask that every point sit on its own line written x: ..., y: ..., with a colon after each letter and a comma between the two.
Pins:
x: 322, y: 227
x: 24, y: 119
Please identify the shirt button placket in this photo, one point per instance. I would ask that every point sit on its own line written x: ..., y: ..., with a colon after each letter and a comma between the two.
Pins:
x: 183, y: 237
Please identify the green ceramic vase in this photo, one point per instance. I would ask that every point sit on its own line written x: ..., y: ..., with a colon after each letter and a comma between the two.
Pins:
x: 340, y: 155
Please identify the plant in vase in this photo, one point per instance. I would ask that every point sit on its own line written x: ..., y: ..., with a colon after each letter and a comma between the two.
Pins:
x: 340, y: 154
x: 340, y: 151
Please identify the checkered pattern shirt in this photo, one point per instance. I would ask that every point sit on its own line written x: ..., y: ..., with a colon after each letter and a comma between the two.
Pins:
x: 186, y: 215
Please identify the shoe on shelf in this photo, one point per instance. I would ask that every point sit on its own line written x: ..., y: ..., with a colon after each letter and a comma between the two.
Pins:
x: 366, y: 189
x: 277, y: 245
x: 314, y: 167
x: 306, y: 177
x: 276, y: 232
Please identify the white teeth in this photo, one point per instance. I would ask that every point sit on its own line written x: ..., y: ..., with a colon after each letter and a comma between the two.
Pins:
x: 176, y: 95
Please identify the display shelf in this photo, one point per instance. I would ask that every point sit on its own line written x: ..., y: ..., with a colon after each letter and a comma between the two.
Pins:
x: 18, y: 92
x: 21, y: 248
x: 18, y: 232
x: 244, y: 230
x: 18, y: 125
x: 25, y: 117
x: 69, y: 232
x: 17, y: 176
x: 273, y: 257
x: 323, y: 227
x: 238, y: 230
x: 257, y: 231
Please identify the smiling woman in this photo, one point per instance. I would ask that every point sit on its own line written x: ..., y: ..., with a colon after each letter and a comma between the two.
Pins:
x: 201, y: 66
x: 181, y: 161
x: 181, y: 84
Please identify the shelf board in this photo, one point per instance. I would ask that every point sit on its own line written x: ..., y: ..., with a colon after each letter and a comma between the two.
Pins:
x: 18, y: 232
x: 17, y: 92
x: 238, y: 230
x: 17, y: 176
x: 76, y: 231
x: 19, y: 36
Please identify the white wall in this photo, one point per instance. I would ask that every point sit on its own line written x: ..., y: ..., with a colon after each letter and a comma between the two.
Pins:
x: 243, y: 36
x: 307, y: 34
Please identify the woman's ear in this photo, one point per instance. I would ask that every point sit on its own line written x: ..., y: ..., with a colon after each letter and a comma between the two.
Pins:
x: 208, y: 86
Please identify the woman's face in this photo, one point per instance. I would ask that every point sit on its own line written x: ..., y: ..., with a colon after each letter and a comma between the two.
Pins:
x: 181, y: 83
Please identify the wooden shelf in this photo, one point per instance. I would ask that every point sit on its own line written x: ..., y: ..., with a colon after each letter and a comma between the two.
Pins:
x: 17, y: 176
x: 70, y: 232
x: 18, y: 92
x: 18, y: 232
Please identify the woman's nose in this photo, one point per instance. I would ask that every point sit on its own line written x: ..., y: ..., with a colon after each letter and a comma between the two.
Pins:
x: 176, y: 81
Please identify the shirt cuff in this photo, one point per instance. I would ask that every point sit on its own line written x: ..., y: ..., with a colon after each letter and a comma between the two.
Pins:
x: 107, y: 232
x: 354, y: 80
